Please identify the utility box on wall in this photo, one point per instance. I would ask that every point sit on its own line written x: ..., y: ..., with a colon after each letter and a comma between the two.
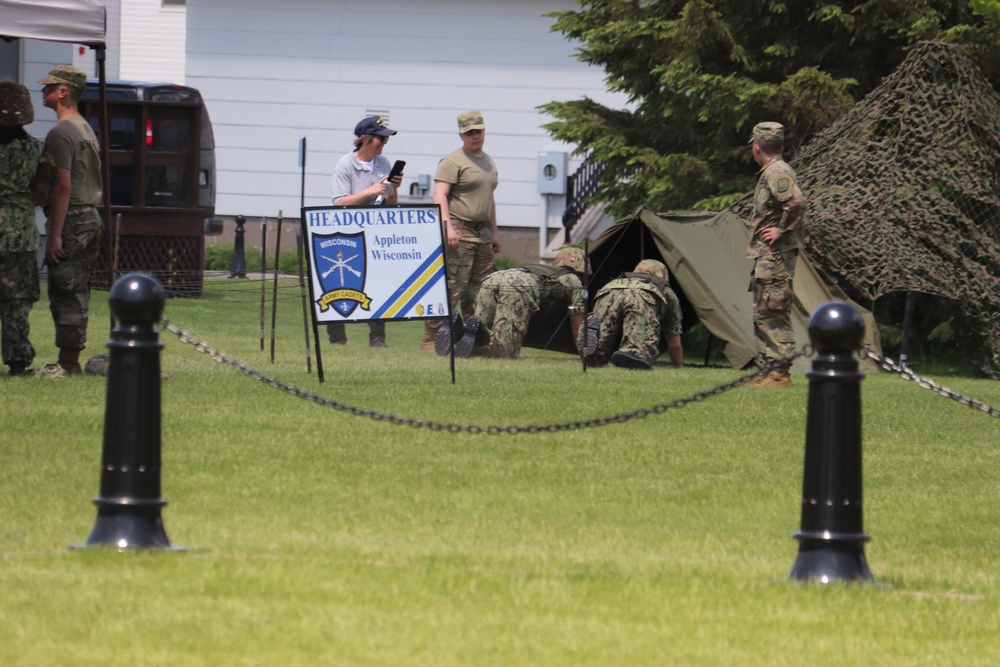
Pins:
x: 552, y: 173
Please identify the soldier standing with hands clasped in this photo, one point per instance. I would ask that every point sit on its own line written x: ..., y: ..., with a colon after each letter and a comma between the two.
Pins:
x: 777, y: 228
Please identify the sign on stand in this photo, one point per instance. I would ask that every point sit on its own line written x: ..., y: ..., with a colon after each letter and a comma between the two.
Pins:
x: 374, y: 263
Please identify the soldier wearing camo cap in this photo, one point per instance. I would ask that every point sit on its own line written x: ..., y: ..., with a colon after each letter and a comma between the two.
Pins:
x: 20, y: 156
x: 510, y: 298
x: 777, y: 227
x: 463, y: 187
x: 636, y: 317
x: 74, y: 225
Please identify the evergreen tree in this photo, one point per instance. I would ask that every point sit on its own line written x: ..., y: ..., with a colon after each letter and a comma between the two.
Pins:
x: 698, y: 74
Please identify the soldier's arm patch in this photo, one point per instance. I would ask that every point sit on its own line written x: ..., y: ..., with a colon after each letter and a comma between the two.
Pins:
x: 783, y: 185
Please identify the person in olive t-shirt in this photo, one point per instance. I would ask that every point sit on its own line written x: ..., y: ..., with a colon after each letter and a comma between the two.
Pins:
x: 74, y: 225
x: 463, y: 188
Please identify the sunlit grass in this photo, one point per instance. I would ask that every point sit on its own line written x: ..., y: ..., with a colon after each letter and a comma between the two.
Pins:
x: 317, y: 537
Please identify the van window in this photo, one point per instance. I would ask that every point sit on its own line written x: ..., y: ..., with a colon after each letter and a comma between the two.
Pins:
x: 161, y: 167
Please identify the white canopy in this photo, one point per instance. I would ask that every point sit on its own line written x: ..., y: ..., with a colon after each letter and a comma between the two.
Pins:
x: 75, y: 21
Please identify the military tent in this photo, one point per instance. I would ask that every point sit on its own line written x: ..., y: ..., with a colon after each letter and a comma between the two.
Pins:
x: 709, y: 270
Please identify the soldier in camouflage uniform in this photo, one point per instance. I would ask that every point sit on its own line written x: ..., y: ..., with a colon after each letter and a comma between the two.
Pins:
x: 74, y: 225
x: 463, y: 188
x: 636, y: 316
x: 509, y: 298
x: 20, y: 156
x: 777, y: 228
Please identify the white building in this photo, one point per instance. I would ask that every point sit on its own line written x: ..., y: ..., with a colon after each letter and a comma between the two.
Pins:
x: 274, y: 74
x: 145, y: 41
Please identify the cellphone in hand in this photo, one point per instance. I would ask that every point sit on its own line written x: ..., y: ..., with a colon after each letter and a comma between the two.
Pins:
x: 397, y: 169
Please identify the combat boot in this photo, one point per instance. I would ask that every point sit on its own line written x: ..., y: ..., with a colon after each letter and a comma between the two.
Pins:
x: 630, y: 361
x: 781, y: 377
x: 446, y: 333
x: 776, y: 377
x: 474, y: 335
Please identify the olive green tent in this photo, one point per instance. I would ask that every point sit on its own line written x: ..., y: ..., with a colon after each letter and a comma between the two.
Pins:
x: 709, y: 270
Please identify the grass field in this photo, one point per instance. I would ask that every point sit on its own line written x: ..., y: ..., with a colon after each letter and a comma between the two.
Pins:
x: 314, y: 537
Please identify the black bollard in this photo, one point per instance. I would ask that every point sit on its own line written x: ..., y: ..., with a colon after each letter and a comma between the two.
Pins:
x: 831, y: 538
x: 239, y: 268
x: 128, y: 508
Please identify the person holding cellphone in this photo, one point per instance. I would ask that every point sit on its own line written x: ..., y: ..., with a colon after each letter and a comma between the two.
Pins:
x: 361, y: 178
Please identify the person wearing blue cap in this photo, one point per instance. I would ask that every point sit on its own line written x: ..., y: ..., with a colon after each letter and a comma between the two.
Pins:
x: 361, y: 179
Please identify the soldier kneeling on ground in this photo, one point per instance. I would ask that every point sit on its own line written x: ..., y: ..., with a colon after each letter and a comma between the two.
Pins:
x: 636, y: 317
x: 507, y: 301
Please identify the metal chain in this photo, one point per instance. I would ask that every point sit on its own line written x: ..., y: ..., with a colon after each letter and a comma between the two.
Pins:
x: 905, y: 373
x: 619, y: 418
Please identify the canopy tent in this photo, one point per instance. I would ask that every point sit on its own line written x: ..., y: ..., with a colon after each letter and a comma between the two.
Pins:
x: 74, y: 21
x: 709, y: 270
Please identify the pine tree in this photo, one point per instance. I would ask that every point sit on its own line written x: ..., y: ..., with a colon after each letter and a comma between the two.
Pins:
x: 698, y: 74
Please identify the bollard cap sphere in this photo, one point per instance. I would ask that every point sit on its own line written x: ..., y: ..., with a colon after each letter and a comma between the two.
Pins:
x: 137, y: 298
x: 836, y: 326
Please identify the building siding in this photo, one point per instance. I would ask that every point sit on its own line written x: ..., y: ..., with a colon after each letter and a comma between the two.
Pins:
x: 272, y: 75
x: 153, y: 39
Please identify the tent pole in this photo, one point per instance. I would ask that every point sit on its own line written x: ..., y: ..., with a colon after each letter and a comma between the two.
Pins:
x: 907, y: 325
x: 100, y: 55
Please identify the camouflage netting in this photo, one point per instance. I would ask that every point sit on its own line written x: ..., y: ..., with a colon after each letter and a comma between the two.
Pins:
x: 904, y: 193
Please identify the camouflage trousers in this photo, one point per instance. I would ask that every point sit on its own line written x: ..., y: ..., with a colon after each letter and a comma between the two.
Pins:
x: 18, y: 291
x: 505, y: 305
x: 69, y: 280
x: 630, y: 322
x: 773, y: 299
x: 468, y: 265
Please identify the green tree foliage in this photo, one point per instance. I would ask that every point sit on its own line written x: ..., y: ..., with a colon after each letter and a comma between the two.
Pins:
x: 698, y: 74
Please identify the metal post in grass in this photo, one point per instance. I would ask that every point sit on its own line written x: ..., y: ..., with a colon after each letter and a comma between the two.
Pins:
x: 239, y: 267
x: 831, y: 536
x: 129, y: 504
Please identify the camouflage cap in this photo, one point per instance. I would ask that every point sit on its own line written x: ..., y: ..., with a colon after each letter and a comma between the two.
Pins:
x: 470, y: 120
x: 15, y: 105
x: 65, y: 75
x: 768, y: 132
x: 654, y: 268
x: 574, y: 258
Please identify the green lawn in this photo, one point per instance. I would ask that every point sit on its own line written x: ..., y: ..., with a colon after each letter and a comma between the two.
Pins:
x: 315, y: 537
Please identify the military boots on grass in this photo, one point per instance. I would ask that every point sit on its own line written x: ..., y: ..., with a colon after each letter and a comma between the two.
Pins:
x: 467, y: 336
x: 774, y: 377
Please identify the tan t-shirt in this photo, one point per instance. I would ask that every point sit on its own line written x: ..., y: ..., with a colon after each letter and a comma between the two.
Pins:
x: 473, y: 180
x: 73, y: 145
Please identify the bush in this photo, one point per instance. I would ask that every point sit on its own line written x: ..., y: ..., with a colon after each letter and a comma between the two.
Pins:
x: 220, y: 258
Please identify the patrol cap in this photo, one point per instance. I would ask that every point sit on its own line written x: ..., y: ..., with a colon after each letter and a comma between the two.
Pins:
x: 654, y: 268
x: 65, y: 75
x: 15, y: 105
x: 574, y: 258
x: 470, y: 120
x: 372, y: 125
x: 768, y: 132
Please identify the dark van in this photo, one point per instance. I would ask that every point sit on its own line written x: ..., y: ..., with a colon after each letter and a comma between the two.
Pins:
x: 161, y: 163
